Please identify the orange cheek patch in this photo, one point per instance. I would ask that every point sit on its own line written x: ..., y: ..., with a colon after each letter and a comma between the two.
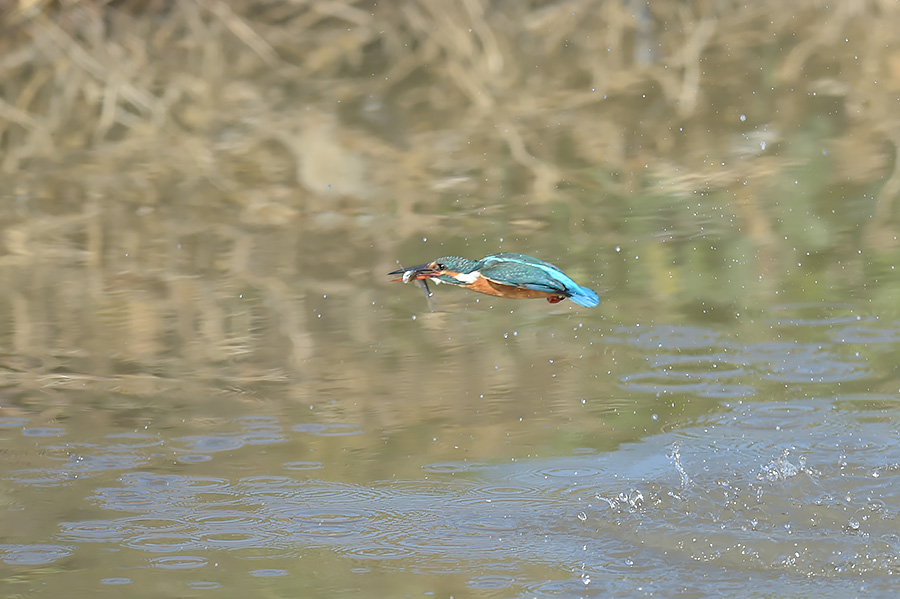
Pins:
x: 482, y: 285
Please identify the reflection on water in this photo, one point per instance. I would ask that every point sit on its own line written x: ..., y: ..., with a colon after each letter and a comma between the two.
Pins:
x: 768, y: 480
x: 703, y: 363
x: 209, y: 385
x: 771, y: 491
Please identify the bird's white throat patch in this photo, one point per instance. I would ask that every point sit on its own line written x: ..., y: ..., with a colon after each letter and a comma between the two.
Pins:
x: 467, y: 278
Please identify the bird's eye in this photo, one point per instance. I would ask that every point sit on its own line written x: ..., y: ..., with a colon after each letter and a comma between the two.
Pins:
x: 440, y: 266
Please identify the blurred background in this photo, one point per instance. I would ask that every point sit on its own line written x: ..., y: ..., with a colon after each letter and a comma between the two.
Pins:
x: 200, y: 201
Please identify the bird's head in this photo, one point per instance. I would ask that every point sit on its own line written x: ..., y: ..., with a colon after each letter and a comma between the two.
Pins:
x: 442, y: 270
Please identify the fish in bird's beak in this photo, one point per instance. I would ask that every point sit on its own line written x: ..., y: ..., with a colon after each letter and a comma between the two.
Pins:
x: 422, y: 272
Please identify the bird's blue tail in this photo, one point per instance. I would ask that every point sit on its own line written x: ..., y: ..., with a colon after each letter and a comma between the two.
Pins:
x: 585, y: 297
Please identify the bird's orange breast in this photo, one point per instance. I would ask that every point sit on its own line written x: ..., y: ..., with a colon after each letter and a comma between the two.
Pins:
x: 489, y: 287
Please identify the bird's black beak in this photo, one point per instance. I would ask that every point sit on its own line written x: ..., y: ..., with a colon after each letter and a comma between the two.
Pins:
x: 415, y: 273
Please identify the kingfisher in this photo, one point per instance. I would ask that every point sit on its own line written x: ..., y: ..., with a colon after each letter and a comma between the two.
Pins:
x: 514, y: 276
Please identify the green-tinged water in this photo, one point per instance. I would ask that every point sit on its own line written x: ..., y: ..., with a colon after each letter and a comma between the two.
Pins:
x: 210, y: 388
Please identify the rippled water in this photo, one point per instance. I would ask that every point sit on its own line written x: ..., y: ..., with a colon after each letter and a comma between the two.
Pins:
x: 210, y: 388
x: 754, y: 464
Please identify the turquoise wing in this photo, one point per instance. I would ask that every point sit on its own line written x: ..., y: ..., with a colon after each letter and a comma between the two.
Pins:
x: 519, y: 270
x: 525, y: 276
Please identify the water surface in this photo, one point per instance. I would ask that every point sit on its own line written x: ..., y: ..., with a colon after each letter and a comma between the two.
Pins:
x: 210, y: 388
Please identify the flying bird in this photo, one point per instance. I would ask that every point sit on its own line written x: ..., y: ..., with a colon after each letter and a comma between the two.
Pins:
x: 514, y: 276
